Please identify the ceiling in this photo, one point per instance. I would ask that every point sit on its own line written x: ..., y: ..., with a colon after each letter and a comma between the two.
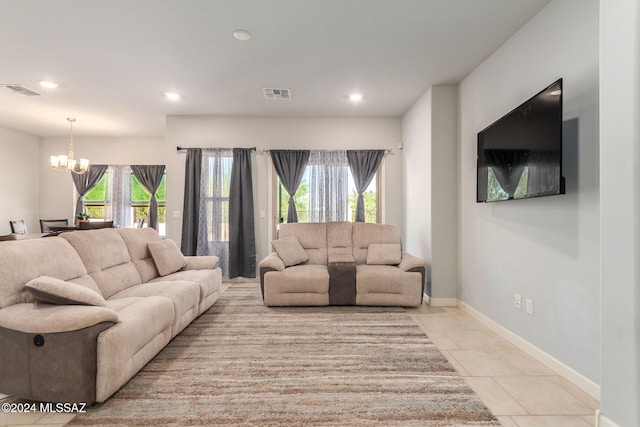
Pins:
x: 115, y: 59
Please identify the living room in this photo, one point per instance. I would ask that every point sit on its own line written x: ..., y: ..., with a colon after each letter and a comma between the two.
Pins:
x: 573, y: 254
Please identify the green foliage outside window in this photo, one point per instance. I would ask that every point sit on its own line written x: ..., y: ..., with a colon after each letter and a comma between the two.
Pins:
x: 302, y: 202
x: 95, y: 199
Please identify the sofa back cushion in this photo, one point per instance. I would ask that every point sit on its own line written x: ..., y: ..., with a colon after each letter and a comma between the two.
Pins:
x: 106, y: 258
x: 312, y: 236
x: 339, y: 240
x: 137, y: 241
x: 366, y: 233
x: 24, y: 260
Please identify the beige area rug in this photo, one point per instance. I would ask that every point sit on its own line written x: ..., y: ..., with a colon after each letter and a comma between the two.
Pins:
x: 241, y: 363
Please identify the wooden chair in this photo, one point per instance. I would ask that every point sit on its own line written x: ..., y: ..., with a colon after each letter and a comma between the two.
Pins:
x: 46, y: 224
x: 18, y: 227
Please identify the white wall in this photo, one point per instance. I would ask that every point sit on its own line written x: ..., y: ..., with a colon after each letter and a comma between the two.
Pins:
x: 429, y: 131
x: 20, y: 178
x: 274, y: 133
x: 57, y: 195
x: 416, y: 153
x: 620, y: 210
x: 546, y: 249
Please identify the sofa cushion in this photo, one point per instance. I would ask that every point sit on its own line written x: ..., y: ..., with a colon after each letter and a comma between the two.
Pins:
x: 137, y: 240
x: 167, y: 256
x: 365, y: 234
x: 384, y: 254
x: 312, y: 236
x: 297, y: 285
x: 55, y: 291
x: 290, y: 251
x: 106, y: 259
x: 185, y: 296
x: 339, y: 238
x: 207, y: 280
x: 23, y: 260
x: 387, y: 285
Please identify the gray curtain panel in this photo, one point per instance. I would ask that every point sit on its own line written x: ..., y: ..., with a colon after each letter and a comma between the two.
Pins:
x: 191, y: 206
x: 85, y: 182
x: 363, y: 165
x: 150, y: 176
x: 290, y: 166
x: 242, y: 241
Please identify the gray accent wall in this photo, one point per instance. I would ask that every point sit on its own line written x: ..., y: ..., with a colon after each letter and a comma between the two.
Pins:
x: 620, y: 211
x: 545, y: 249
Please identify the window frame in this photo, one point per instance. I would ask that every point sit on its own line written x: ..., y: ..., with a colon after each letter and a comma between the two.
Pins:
x: 162, y: 204
x: 276, y: 195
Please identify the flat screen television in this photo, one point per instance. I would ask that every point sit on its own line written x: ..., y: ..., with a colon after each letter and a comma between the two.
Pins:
x: 520, y: 155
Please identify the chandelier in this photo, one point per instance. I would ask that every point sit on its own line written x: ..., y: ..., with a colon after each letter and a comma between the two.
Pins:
x: 66, y: 162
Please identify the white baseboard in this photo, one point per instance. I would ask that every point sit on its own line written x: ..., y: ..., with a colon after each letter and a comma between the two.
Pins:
x: 440, y: 302
x: 602, y: 421
x: 579, y: 380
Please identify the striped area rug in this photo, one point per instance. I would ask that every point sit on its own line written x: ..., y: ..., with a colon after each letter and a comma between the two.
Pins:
x: 244, y: 364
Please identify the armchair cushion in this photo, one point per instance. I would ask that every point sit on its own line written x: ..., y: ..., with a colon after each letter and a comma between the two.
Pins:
x: 55, y: 291
x: 290, y: 251
x: 167, y: 256
x: 384, y: 254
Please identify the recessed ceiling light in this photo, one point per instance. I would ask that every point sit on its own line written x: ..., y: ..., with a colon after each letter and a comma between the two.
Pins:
x: 48, y: 85
x: 356, y: 97
x: 242, y: 35
x: 172, y: 96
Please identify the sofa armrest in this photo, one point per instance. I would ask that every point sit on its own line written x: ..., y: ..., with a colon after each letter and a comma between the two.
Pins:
x: 409, y: 262
x: 201, y: 262
x: 41, y: 318
x: 272, y: 262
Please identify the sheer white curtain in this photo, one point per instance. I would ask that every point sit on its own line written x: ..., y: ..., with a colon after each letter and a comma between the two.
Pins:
x: 328, y: 185
x: 117, y: 204
x: 213, y: 218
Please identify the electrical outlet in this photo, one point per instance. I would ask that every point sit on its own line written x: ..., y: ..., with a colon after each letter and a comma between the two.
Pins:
x: 529, y: 303
x: 517, y: 301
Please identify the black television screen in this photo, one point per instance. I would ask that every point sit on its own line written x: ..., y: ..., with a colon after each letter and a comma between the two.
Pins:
x: 520, y: 155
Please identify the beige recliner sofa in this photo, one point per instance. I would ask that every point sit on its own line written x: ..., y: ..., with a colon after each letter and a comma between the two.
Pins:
x: 85, y: 345
x: 340, y: 263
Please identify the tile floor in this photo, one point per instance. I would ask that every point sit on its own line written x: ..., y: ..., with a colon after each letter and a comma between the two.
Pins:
x: 519, y: 390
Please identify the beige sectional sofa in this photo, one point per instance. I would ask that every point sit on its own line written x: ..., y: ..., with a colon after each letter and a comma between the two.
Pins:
x: 340, y: 263
x: 107, y: 311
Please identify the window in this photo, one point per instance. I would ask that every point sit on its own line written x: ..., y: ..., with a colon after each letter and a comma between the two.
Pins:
x: 124, y: 200
x: 327, y: 191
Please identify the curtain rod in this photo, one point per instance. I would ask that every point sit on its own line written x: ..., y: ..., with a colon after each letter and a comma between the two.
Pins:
x: 387, y: 151
x: 178, y: 148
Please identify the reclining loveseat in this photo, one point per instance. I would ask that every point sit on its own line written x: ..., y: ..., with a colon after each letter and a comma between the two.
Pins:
x: 340, y: 263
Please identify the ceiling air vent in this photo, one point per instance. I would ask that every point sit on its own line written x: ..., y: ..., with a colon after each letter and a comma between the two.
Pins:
x: 22, y: 90
x: 270, y: 93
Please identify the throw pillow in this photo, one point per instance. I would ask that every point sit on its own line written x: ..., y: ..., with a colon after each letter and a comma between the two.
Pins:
x: 167, y: 256
x: 384, y: 253
x: 290, y: 250
x: 56, y: 291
